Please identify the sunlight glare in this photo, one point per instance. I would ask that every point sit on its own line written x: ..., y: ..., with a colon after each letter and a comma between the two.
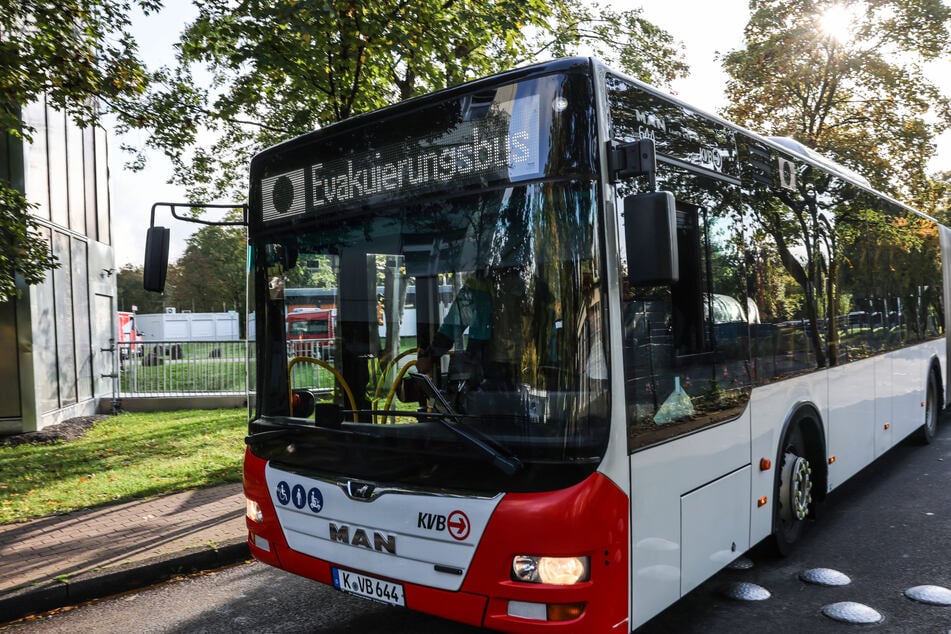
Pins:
x: 836, y: 22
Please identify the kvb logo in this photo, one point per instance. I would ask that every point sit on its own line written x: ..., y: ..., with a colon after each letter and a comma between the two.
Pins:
x: 457, y: 523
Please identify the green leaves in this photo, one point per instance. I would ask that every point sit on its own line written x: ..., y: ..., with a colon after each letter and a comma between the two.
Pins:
x: 285, y: 67
x: 210, y: 275
x: 79, y: 54
x: 73, y: 51
x: 22, y: 250
x: 855, y: 92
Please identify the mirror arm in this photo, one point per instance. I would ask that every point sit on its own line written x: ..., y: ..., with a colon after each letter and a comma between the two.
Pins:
x: 215, y: 223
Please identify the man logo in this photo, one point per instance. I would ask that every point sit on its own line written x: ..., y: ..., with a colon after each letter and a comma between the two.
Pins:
x: 381, y: 542
x: 787, y: 174
x: 283, y: 194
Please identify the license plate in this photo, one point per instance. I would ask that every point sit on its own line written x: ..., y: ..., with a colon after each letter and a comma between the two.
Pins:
x: 368, y: 587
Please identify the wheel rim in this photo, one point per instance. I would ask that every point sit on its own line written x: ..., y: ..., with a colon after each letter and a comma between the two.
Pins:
x: 796, y: 492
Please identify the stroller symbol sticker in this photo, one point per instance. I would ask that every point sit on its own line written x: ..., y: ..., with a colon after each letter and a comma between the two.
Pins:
x: 315, y: 500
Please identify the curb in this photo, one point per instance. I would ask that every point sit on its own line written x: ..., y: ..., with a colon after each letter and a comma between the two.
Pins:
x: 53, y: 594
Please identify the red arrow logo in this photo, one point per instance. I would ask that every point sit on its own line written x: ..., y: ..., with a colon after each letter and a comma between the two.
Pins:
x: 458, y: 525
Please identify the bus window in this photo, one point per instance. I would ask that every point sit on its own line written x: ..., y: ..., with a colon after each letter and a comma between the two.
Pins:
x: 686, y: 346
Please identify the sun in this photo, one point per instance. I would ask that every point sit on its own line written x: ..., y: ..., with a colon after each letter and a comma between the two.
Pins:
x: 836, y: 22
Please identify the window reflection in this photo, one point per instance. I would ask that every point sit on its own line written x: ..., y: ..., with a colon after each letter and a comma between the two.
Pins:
x: 786, y: 268
x: 496, y: 296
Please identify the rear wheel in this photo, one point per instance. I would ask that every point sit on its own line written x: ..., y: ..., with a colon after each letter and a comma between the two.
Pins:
x: 794, y: 492
x: 927, y: 431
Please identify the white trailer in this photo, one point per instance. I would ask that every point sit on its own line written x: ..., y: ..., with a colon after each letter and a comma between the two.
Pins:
x: 174, y: 326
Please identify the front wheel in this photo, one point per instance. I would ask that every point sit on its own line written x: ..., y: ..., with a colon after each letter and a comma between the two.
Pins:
x: 927, y: 431
x: 794, y: 492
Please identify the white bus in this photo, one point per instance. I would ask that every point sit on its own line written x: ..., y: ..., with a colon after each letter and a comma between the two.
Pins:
x: 670, y: 339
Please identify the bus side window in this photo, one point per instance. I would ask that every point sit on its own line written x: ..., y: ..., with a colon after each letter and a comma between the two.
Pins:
x: 687, y: 296
x: 687, y: 345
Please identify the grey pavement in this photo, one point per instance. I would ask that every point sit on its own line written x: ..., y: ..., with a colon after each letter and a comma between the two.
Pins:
x: 88, y: 554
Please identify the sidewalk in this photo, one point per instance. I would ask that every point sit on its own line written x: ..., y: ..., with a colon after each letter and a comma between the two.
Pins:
x: 66, y: 559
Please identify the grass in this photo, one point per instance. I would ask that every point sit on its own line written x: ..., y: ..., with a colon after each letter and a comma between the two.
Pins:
x: 210, y: 376
x: 132, y: 455
x: 206, y: 366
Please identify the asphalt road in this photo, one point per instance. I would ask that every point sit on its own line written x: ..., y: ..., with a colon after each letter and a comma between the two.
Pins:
x: 888, y: 529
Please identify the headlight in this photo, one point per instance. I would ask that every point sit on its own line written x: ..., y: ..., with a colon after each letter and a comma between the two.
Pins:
x: 253, y: 511
x: 559, y: 571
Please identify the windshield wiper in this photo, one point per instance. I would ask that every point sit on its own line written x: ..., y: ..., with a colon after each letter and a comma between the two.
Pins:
x: 271, y: 434
x: 502, y: 458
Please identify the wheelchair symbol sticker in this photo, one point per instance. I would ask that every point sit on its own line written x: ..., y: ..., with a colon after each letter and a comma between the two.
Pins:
x: 283, y: 492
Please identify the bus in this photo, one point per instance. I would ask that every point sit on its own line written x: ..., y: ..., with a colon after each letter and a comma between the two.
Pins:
x: 668, y: 339
x: 301, y: 299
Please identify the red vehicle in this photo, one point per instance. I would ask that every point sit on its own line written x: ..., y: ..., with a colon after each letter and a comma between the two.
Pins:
x: 310, y: 331
x: 127, y: 337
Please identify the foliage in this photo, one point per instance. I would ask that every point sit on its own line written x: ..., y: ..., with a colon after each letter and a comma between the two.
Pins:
x: 937, y: 198
x: 22, y: 249
x: 286, y: 67
x: 624, y: 39
x: 314, y: 271
x: 210, y: 276
x: 859, y: 95
x: 123, y: 457
x: 130, y: 292
x: 80, y: 55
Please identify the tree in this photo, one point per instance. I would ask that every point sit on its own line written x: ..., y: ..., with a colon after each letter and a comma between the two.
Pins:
x: 80, y: 55
x: 937, y: 199
x: 855, y: 91
x: 286, y: 67
x: 624, y: 39
x: 130, y: 292
x: 211, y: 275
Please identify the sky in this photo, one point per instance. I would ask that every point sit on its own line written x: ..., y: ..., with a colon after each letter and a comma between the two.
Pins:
x: 704, y: 28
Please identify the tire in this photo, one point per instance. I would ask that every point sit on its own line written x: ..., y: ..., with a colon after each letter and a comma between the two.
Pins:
x: 794, y: 482
x: 927, y: 431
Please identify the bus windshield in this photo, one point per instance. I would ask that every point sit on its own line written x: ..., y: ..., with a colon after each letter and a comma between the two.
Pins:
x: 493, y: 293
x: 498, y: 291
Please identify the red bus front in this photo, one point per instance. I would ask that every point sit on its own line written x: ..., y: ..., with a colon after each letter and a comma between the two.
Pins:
x: 452, y: 556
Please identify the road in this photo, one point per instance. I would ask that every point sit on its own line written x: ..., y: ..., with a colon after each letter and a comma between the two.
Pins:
x: 888, y: 529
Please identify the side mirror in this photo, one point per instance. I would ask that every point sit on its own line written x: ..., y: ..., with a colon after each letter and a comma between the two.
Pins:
x: 156, y: 259
x: 650, y: 227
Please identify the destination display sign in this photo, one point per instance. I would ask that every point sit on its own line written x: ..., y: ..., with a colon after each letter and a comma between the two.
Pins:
x: 501, y: 143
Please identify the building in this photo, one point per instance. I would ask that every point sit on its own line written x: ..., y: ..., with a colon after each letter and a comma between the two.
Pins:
x: 56, y: 340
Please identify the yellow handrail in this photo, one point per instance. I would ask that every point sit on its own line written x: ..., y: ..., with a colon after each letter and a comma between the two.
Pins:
x: 326, y: 366
x: 389, y: 366
x: 399, y: 377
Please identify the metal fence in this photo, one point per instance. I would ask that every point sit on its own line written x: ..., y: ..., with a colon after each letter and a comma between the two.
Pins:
x: 180, y: 368
x: 311, y: 372
x: 177, y: 368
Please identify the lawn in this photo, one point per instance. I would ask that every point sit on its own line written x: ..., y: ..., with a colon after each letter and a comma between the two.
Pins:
x: 132, y: 455
x: 208, y: 376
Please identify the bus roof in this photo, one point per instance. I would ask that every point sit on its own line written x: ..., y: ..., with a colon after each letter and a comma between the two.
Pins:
x: 594, y: 67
